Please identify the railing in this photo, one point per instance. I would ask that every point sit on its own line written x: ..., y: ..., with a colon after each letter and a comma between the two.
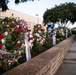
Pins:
x: 46, y: 63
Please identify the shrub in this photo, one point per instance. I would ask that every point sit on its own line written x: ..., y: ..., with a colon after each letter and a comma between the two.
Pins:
x: 37, y: 48
x: 48, y: 43
x: 73, y: 31
x: 59, y: 35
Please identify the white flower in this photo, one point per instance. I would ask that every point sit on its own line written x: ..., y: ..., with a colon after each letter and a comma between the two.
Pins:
x: 17, y: 26
x: 30, y: 32
x: 3, y: 41
x: 38, y: 26
x: 19, y: 52
x: 26, y: 33
x: 6, y: 33
x: 39, y: 31
x: 21, y: 33
x: 15, y: 51
x: 12, y: 21
x: 4, y: 47
x: 9, y: 63
x: 2, y: 22
x: 30, y: 36
x: 18, y: 41
x: 15, y: 59
x: 38, y: 39
x: 7, y: 25
x: 12, y: 29
x: 43, y: 39
x: 41, y: 42
x: 31, y: 41
x: 37, y: 35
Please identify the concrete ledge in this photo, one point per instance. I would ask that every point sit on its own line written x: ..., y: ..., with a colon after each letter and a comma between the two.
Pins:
x: 46, y: 63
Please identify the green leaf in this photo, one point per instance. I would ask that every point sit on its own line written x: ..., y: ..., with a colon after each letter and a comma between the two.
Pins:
x: 9, y: 36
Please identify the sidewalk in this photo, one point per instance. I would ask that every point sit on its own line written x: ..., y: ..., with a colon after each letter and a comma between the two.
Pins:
x: 68, y: 67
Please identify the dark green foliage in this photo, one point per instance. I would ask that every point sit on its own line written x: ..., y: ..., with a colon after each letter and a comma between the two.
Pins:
x: 3, y: 4
x: 64, y: 12
x: 48, y: 43
x: 37, y: 48
x: 36, y: 28
x: 59, y: 35
x: 17, y: 1
x: 74, y: 30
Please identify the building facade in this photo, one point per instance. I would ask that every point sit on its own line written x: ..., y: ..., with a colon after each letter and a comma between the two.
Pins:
x: 28, y: 18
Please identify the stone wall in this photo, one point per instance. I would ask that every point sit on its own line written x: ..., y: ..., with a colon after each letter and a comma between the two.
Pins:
x: 47, y: 63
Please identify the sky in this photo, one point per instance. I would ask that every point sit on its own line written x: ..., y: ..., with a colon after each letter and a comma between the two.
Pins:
x: 37, y: 6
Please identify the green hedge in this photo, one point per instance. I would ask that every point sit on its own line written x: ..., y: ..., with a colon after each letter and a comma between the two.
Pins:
x: 74, y: 32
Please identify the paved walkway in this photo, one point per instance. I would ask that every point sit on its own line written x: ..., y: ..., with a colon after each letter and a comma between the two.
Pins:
x: 68, y: 67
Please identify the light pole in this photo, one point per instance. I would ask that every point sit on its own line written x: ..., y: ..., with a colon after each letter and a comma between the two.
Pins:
x: 37, y: 18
